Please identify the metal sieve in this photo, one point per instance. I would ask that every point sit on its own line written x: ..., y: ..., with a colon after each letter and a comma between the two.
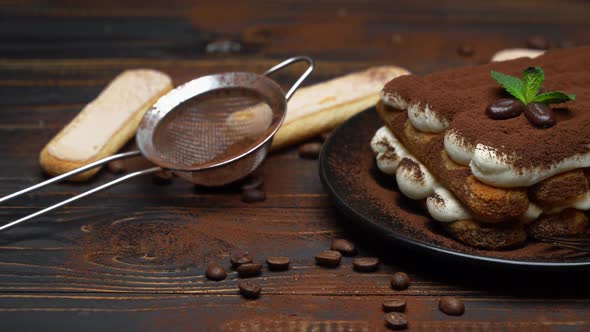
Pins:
x: 211, y: 131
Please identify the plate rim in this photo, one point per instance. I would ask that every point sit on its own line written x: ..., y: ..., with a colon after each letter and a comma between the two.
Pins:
x: 342, y: 205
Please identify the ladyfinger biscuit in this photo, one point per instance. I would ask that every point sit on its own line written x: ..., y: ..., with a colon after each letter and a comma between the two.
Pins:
x: 321, y: 107
x: 487, y: 204
x: 569, y: 222
x: 481, y: 236
x: 515, y: 53
x: 105, y: 124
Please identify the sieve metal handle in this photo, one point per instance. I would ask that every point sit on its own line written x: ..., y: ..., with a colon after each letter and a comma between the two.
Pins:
x: 125, y: 155
x: 71, y: 173
x: 303, y: 76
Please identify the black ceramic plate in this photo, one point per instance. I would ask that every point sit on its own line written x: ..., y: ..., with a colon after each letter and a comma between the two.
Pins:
x: 361, y: 192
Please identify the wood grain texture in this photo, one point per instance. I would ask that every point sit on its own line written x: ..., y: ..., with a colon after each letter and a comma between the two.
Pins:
x: 133, y: 258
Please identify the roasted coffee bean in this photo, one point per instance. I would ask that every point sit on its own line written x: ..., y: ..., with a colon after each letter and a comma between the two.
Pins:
x: 394, y: 304
x: 310, y: 150
x: 240, y: 259
x: 162, y: 177
x: 253, y: 195
x: 537, y: 42
x: 215, y: 272
x: 540, y: 115
x: 344, y: 246
x: 249, y: 290
x: 365, y: 264
x: 117, y: 167
x: 249, y: 270
x: 400, y: 281
x: 504, y: 108
x: 253, y: 182
x: 465, y: 50
x: 451, y: 306
x: 396, y: 321
x: 328, y: 258
x: 278, y: 263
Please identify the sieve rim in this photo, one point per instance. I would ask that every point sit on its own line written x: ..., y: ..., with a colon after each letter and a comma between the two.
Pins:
x: 261, y: 84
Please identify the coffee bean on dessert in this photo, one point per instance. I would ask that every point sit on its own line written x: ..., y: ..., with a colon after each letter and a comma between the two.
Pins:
x: 328, y: 258
x: 249, y: 290
x: 451, y: 306
x: 365, y: 264
x: 117, y: 167
x: 240, y: 259
x: 162, y: 177
x: 310, y: 150
x: 400, y: 281
x: 277, y: 263
x: 465, y: 50
x: 253, y: 196
x: 215, y: 272
x: 540, y: 115
x: 344, y: 246
x: 537, y: 42
x: 504, y: 108
x: 249, y: 270
x: 394, y: 304
x: 253, y: 182
x: 396, y: 320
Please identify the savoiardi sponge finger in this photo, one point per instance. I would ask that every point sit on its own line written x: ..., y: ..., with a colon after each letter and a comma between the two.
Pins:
x: 105, y: 124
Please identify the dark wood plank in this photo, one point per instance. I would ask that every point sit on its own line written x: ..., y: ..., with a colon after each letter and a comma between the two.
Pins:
x: 272, y: 313
x: 134, y: 257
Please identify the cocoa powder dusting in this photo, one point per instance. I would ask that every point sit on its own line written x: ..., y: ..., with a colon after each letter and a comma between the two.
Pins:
x: 374, y: 194
x: 415, y: 172
x: 461, y: 96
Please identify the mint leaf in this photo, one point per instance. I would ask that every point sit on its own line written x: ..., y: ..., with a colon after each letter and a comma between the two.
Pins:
x: 532, y: 77
x: 555, y: 97
x: 512, y: 84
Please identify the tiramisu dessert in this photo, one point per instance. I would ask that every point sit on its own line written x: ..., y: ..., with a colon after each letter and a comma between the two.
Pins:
x: 498, y: 152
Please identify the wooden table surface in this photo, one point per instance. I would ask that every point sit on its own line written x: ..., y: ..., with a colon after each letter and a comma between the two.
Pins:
x: 102, y: 264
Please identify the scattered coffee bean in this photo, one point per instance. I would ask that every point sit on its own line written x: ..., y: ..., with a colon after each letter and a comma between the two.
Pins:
x: 328, y: 258
x: 540, y: 115
x: 400, y: 281
x: 465, y: 50
x: 504, y: 108
x: 253, y: 195
x: 365, y: 264
x: 278, y: 263
x: 252, y: 182
x: 215, y: 272
x: 451, y: 306
x: 117, y: 167
x: 344, y: 246
x: 249, y: 270
x: 162, y: 178
x: 240, y: 259
x: 249, y: 289
x: 537, y: 42
x: 310, y: 150
x: 396, y: 320
x: 394, y: 304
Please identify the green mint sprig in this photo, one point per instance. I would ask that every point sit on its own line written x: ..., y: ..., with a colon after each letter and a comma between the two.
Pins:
x: 526, y: 90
